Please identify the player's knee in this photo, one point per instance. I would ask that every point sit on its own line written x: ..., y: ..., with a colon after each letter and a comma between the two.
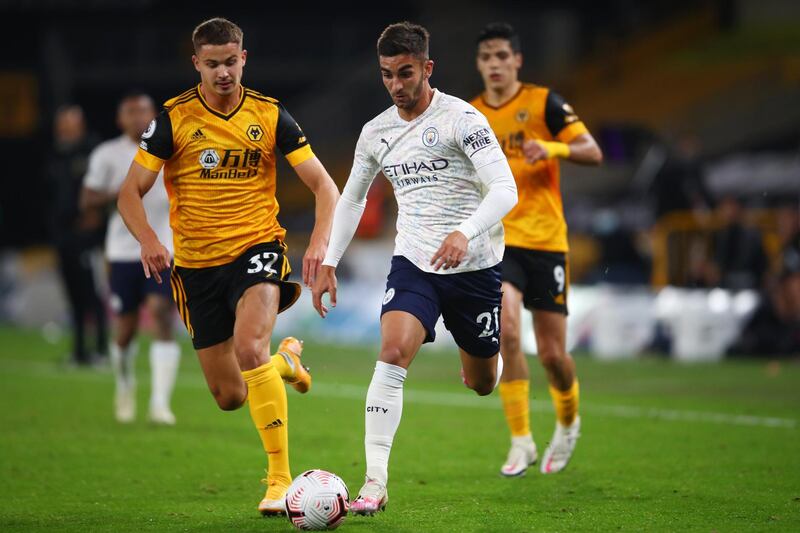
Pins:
x: 510, y: 339
x: 551, y: 355
x: 484, y: 386
x: 249, y: 353
x: 124, y: 340
x: 163, y: 324
x: 392, y: 355
x: 230, y: 399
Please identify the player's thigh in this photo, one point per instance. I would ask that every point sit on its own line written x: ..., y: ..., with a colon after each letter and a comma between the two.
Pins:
x: 223, y: 375
x: 511, y: 312
x: 126, y: 282
x: 161, y: 311
x: 471, y: 304
x: 480, y: 373
x: 402, y: 335
x: 256, y: 311
x: 409, y: 312
x: 199, y: 295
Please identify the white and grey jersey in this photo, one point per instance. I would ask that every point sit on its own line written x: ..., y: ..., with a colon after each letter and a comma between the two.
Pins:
x: 108, y: 166
x: 432, y: 164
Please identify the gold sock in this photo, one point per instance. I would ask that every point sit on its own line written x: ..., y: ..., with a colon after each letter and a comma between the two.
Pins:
x: 516, y: 406
x: 266, y: 396
x: 566, y: 403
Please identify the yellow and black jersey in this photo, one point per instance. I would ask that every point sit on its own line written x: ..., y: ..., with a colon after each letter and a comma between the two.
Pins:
x: 537, y: 222
x: 219, y: 171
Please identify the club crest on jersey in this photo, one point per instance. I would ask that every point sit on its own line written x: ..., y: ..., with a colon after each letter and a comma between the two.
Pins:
x: 522, y: 115
x: 430, y: 137
x: 151, y: 129
x: 209, y: 159
x: 255, y: 132
x: 388, y: 296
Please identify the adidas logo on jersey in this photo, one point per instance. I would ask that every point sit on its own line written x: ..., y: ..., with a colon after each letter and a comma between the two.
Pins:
x: 274, y: 424
x: 197, y: 135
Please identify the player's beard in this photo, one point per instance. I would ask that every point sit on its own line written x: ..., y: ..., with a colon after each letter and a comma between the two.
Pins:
x: 413, y: 98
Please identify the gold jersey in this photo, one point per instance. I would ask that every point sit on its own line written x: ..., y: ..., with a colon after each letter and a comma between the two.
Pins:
x: 537, y: 221
x: 219, y: 171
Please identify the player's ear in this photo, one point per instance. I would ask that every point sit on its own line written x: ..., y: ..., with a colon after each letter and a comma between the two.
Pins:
x: 244, y: 57
x: 196, y: 63
x: 428, y: 68
x: 518, y: 60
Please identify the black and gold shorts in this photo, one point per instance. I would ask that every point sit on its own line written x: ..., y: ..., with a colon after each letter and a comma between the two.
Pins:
x: 207, y: 297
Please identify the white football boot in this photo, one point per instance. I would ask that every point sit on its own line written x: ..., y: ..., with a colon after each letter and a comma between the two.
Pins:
x: 161, y: 415
x: 372, y: 498
x: 521, y: 455
x: 559, y: 452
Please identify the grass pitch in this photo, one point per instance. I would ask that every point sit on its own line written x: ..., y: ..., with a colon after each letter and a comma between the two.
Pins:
x: 665, y: 447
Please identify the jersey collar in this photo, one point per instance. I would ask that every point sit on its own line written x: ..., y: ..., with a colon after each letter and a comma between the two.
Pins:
x: 501, y: 106
x: 223, y: 116
x: 434, y: 102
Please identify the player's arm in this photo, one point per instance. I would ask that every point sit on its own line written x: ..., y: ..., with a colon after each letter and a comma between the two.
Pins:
x: 481, y: 146
x: 346, y: 217
x: 292, y: 142
x: 155, y: 256
x: 94, y: 198
x: 156, y: 147
x: 571, y: 140
x: 319, y: 182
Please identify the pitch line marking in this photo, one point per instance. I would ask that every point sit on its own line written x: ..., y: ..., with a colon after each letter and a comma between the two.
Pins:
x: 441, y: 398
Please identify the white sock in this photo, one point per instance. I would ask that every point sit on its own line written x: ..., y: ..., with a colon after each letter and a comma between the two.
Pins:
x: 123, y: 363
x: 523, y: 440
x: 382, y: 417
x: 164, y: 359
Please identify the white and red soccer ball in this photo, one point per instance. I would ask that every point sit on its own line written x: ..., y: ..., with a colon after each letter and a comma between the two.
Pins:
x: 317, y: 500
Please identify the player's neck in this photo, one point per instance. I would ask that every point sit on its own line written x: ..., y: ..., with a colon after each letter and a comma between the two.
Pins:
x: 500, y: 96
x: 423, y: 103
x: 224, y: 104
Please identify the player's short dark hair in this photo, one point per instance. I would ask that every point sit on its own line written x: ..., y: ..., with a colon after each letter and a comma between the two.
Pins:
x: 216, y: 31
x: 404, y: 38
x: 500, y: 30
x: 133, y: 94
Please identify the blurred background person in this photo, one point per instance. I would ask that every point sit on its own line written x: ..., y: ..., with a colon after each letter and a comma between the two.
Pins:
x: 678, y: 185
x: 774, y: 329
x: 108, y: 166
x: 738, y: 260
x: 76, y: 233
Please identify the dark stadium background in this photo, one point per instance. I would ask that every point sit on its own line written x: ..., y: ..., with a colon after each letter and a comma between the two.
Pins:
x: 692, y: 103
x: 320, y: 61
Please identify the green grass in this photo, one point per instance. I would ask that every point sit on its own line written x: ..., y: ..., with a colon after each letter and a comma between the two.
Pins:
x: 662, y: 449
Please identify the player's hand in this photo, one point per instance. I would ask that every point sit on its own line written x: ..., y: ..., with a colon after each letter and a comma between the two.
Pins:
x: 451, y: 252
x: 155, y: 258
x: 312, y: 260
x: 533, y: 151
x: 325, y: 282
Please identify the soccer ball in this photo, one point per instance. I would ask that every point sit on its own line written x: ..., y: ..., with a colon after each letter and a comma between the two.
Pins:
x: 317, y: 500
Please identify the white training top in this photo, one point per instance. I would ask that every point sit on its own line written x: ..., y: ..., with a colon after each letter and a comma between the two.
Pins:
x: 108, y: 166
x: 434, y: 164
